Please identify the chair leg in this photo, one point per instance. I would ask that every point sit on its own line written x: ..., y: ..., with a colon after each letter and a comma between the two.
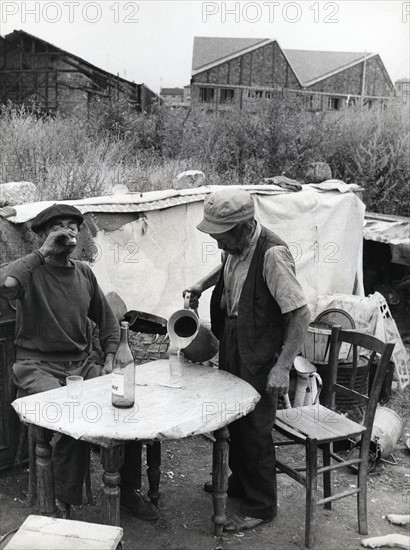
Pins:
x: 153, y: 471
x: 362, y: 494
x: 311, y: 490
x: 327, y: 476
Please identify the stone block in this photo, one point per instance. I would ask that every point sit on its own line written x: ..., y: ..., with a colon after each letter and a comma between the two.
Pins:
x: 18, y: 192
x: 318, y: 172
x: 188, y: 179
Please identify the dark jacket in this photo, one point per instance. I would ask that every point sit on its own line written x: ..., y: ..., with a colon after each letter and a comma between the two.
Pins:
x: 261, y: 327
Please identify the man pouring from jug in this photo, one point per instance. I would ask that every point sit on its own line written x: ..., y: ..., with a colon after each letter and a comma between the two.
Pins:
x: 259, y: 314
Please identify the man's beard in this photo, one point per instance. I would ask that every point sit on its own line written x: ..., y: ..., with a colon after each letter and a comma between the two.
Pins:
x: 243, y: 237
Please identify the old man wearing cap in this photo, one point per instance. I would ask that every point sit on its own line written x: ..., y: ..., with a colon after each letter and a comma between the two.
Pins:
x: 259, y: 313
x: 58, y: 300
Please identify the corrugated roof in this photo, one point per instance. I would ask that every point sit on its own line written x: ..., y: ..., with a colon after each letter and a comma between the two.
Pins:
x: 210, y: 50
x: 308, y: 65
x: 386, y: 228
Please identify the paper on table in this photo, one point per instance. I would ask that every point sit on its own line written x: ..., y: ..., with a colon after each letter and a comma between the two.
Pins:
x: 165, y: 384
x: 157, y: 377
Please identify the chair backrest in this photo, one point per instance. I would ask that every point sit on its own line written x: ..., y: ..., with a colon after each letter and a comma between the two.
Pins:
x: 362, y: 344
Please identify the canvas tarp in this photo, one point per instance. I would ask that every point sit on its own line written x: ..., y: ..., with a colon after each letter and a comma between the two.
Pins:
x: 150, y: 260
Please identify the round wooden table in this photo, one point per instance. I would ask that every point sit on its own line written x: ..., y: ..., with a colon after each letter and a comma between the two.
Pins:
x: 200, y: 400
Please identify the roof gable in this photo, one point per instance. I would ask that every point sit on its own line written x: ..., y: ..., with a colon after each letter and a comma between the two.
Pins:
x: 14, y: 37
x: 209, y: 50
x: 171, y: 91
x: 311, y: 66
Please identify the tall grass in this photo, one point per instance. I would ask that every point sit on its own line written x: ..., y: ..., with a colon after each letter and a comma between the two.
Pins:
x: 73, y: 157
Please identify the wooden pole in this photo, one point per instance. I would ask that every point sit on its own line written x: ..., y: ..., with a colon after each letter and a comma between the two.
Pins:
x: 363, y: 81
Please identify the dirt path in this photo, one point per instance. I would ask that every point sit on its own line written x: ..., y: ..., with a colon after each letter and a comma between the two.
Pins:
x: 185, y: 509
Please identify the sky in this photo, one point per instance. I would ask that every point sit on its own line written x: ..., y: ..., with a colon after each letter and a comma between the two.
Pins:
x: 152, y: 41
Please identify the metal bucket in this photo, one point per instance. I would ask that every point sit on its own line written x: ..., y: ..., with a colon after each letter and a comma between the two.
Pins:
x: 344, y: 372
x: 387, y: 430
x: 204, y: 346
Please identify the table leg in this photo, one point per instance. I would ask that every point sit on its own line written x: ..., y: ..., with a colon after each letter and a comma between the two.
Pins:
x: 111, y: 459
x: 220, y: 478
x: 153, y: 471
x: 44, y: 471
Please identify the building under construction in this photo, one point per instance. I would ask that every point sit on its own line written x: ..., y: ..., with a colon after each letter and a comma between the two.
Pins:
x: 33, y: 71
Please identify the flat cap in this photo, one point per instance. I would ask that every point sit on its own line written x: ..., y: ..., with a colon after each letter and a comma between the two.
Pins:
x: 226, y: 208
x: 56, y: 211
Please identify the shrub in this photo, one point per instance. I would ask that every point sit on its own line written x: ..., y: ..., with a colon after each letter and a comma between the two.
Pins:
x: 72, y: 158
x: 371, y: 148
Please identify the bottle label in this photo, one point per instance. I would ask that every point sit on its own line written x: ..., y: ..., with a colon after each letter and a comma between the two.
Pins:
x: 117, y: 384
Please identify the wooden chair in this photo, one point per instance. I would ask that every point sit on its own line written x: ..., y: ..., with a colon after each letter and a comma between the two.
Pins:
x: 317, y: 427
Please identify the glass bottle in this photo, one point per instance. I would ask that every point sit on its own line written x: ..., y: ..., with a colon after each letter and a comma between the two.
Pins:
x: 123, y: 372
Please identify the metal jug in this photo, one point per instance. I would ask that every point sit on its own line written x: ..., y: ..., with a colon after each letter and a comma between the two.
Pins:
x: 183, y: 326
x: 308, y: 383
x: 198, y: 345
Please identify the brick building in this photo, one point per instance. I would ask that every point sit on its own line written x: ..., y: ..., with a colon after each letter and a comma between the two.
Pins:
x: 236, y: 72
x: 403, y: 91
x: 172, y: 95
x: 33, y: 69
x: 176, y: 97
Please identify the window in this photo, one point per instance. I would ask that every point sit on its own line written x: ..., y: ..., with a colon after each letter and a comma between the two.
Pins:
x: 258, y: 94
x: 333, y: 103
x: 268, y: 95
x: 206, y: 95
x: 309, y: 101
x: 313, y: 102
x: 227, y: 95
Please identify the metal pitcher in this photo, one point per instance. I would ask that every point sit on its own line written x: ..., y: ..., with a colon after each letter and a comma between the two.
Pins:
x: 183, y: 326
x: 198, y: 345
x: 308, y: 383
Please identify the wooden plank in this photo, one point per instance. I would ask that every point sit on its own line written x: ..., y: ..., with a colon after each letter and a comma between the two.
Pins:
x: 42, y: 533
x: 318, y: 422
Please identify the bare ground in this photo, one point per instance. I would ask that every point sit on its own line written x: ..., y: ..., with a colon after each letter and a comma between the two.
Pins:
x: 185, y: 509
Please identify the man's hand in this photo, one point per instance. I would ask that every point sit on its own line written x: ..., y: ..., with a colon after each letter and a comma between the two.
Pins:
x: 297, y: 322
x: 196, y: 291
x: 278, y: 379
x: 59, y: 242
x: 108, y: 364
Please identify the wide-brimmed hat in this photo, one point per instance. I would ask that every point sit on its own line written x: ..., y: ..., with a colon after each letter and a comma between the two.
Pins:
x: 56, y: 211
x: 226, y: 208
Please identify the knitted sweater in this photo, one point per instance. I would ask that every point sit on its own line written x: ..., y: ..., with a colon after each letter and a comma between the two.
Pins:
x: 54, y: 305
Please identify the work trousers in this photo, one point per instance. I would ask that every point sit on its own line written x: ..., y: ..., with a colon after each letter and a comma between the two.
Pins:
x: 251, y: 448
x: 69, y: 455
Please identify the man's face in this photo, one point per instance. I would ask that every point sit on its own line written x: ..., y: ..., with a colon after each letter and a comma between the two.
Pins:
x: 63, y: 223
x: 229, y: 242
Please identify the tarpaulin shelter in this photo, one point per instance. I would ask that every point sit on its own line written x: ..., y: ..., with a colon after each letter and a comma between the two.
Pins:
x: 145, y: 246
